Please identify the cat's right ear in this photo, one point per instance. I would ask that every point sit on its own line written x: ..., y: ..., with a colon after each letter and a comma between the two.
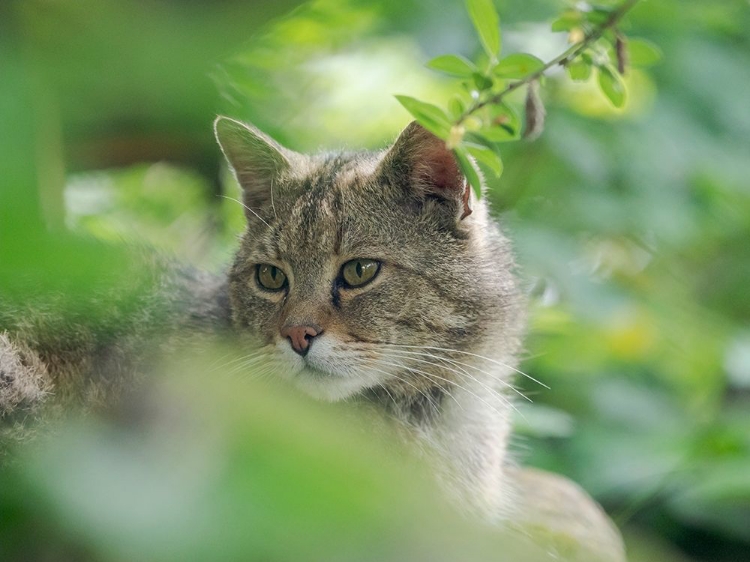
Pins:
x: 256, y: 159
x: 423, y: 163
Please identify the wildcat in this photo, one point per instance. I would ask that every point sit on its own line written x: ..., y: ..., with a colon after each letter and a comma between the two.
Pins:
x: 381, y: 276
x: 365, y: 276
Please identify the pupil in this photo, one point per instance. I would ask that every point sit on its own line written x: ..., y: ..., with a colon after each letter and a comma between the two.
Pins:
x: 358, y: 268
x: 273, y: 273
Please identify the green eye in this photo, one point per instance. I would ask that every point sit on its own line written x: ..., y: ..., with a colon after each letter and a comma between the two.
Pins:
x: 271, y: 277
x: 358, y: 272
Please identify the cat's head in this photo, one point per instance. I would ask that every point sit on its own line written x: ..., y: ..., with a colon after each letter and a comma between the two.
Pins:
x: 359, y: 270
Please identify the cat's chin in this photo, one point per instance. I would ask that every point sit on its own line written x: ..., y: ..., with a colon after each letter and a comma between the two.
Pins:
x: 327, y: 372
x: 323, y: 385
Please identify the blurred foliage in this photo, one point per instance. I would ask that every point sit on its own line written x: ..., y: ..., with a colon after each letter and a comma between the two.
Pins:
x: 632, y: 226
x: 228, y: 471
x: 478, y: 119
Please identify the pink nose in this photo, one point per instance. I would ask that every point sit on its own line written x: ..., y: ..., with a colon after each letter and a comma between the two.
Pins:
x: 301, y: 336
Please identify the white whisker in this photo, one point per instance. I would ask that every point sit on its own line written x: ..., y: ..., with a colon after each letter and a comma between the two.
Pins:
x: 402, y: 379
x: 258, y: 355
x: 433, y: 376
x: 496, y: 362
x: 246, y: 207
x: 272, y: 205
x: 460, y: 364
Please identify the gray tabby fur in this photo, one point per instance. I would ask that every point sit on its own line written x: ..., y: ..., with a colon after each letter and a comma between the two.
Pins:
x: 432, y: 341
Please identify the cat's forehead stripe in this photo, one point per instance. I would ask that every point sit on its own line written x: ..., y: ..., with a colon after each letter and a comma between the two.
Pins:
x: 313, y: 222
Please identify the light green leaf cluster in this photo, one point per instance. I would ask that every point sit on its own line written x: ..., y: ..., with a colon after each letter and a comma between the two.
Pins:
x: 604, y: 49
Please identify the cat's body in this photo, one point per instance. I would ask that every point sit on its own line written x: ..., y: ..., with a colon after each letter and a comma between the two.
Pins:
x: 55, y: 357
x: 368, y: 276
x: 433, y: 335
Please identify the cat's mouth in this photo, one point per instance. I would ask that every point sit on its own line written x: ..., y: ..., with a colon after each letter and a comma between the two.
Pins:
x: 332, y: 378
x: 317, y: 372
x: 322, y: 367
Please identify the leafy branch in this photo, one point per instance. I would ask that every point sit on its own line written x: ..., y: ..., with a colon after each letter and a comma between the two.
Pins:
x: 479, y: 119
x: 574, y: 51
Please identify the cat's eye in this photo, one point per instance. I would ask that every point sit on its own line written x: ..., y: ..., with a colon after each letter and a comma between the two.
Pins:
x: 271, y: 277
x: 360, y: 271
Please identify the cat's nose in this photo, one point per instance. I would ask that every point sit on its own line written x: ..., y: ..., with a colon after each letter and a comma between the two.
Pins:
x: 301, y: 336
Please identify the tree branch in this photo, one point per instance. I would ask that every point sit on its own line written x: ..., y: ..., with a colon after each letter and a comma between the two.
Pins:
x: 571, y: 53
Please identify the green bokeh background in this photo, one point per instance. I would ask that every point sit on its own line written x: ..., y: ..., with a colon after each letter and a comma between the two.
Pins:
x: 632, y: 229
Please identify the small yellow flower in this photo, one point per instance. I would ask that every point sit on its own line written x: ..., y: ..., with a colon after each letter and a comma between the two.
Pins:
x: 576, y: 35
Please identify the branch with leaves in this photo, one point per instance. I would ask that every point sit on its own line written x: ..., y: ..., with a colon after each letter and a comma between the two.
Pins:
x: 479, y: 118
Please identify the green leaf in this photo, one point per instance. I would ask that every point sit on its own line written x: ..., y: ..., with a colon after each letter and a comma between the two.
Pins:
x: 504, y: 126
x: 481, y: 81
x: 453, y: 65
x: 598, y: 15
x: 567, y: 21
x: 431, y: 117
x: 507, y: 117
x: 543, y: 421
x: 487, y: 156
x: 578, y: 69
x: 643, y: 52
x: 612, y: 85
x: 518, y: 65
x: 456, y: 106
x: 487, y: 23
x: 499, y: 133
x: 469, y: 169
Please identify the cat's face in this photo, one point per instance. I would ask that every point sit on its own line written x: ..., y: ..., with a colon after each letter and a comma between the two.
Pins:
x: 356, y: 270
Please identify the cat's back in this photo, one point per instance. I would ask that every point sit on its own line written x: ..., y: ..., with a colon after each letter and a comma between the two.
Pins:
x: 88, y: 346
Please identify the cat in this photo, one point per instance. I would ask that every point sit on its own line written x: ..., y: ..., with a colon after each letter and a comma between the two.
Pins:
x: 381, y: 276
x: 373, y: 277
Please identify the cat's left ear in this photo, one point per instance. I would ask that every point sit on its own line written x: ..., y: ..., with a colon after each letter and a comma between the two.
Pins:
x: 256, y: 159
x: 422, y: 163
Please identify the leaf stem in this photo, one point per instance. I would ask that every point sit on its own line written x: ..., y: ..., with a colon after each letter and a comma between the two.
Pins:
x: 572, y: 52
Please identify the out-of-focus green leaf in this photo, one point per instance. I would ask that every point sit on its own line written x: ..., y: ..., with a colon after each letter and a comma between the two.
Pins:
x: 456, y: 106
x: 578, y: 70
x: 507, y: 117
x: 567, y: 21
x: 505, y: 127
x: 518, y: 65
x: 481, y: 81
x: 453, y: 65
x: 430, y: 116
x: 499, y: 133
x: 469, y: 169
x: 543, y: 421
x: 486, y: 155
x: 643, y: 52
x: 721, y: 499
x: 487, y: 23
x: 612, y: 86
x: 598, y: 15
x: 295, y: 480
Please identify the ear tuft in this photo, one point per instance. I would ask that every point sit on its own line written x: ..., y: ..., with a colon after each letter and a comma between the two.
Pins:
x: 256, y: 159
x: 424, y: 162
